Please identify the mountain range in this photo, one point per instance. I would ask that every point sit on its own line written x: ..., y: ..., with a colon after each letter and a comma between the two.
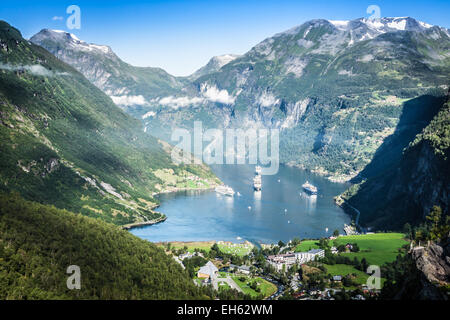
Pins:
x: 339, y: 91
x: 335, y: 89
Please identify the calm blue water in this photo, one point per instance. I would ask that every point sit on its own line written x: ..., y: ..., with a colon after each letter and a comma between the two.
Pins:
x: 281, y: 211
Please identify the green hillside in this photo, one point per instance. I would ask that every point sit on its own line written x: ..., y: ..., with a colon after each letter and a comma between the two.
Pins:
x: 64, y: 142
x: 38, y: 243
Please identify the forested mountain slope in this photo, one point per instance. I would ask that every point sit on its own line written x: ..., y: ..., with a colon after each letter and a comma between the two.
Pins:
x: 64, y: 142
x: 39, y: 242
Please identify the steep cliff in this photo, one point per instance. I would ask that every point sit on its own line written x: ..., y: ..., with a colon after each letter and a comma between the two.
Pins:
x: 406, y: 189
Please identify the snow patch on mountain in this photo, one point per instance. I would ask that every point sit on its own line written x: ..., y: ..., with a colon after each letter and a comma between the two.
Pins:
x: 224, y: 59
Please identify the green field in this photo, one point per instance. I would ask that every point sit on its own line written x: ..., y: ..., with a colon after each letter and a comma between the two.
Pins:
x: 307, y: 245
x: 344, y: 269
x: 377, y: 248
x: 201, y: 245
x: 267, y: 288
x: 236, y: 249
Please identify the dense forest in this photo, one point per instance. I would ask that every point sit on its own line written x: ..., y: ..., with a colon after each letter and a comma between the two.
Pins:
x: 39, y: 242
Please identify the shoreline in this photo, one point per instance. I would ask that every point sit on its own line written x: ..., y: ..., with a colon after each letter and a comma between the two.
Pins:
x: 144, y: 223
x: 183, y: 189
x: 326, y: 175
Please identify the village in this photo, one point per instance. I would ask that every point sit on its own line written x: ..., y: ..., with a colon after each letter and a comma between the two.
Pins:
x: 325, y: 269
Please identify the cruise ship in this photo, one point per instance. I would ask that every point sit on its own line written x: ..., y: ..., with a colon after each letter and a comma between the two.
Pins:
x: 309, y: 188
x: 257, y: 183
x: 225, y: 190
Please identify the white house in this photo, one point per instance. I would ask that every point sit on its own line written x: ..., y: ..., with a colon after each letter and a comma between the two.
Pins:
x: 208, y: 271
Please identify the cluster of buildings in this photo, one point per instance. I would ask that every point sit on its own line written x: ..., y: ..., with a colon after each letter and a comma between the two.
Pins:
x: 287, y: 260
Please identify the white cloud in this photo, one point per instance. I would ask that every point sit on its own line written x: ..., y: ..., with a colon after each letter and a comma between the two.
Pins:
x: 212, y: 93
x: 179, y: 102
x: 57, y: 18
x: 35, y: 69
x: 207, y: 92
x: 129, y: 100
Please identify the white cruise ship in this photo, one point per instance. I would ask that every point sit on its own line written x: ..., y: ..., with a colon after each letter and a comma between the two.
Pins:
x: 309, y: 188
x: 225, y: 190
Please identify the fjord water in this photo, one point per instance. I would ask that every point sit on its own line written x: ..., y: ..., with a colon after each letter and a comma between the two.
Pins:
x: 281, y: 211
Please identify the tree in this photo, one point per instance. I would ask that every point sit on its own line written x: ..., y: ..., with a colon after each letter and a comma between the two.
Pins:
x: 281, y: 244
x: 440, y: 227
x: 336, y: 233
x: 364, y: 265
x: 407, y: 229
x: 295, y: 242
x: 355, y: 247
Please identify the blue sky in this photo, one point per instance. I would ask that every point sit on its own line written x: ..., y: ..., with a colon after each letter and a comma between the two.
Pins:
x: 181, y: 36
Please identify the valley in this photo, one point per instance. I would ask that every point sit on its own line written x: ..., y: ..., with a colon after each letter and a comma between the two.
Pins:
x: 88, y: 175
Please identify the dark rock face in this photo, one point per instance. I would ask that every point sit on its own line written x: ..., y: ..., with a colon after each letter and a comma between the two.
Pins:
x: 433, y: 263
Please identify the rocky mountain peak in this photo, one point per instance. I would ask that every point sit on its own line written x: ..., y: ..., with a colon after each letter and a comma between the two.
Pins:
x: 68, y: 40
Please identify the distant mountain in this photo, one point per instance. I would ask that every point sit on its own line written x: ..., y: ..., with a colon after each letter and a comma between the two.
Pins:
x: 127, y: 85
x: 336, y: 89
x: 213, y: 65
x: 64, y: 142
x: 405, y: 189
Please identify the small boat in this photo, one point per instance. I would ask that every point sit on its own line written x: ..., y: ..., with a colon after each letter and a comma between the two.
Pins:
x: 249, y: 208
x: 225, y: 190
x: 309, y: 188
x: 258, y: 170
